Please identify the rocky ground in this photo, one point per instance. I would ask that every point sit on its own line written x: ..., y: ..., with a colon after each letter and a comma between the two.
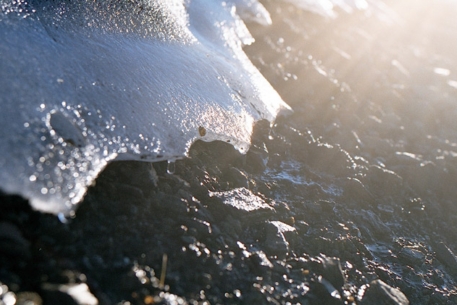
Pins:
x: 225, y: 228
x: 350, y: 200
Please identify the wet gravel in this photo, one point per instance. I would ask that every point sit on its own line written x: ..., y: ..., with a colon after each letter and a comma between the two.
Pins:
x: 224, y: 238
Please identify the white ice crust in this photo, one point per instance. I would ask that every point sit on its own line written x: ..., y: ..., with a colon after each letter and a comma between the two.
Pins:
x: 86, y: 82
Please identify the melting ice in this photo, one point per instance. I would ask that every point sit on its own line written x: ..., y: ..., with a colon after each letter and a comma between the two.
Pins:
x: 86, y: 82
x: 83, y: 83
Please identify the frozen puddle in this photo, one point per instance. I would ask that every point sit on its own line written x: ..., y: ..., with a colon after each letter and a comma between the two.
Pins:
x: 85, y: 83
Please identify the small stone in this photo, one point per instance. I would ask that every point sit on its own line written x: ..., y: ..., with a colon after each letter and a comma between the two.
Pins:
x: 323, y: 292
x: 446, y: 256
x: 334, y: 293
x: 259, y: 259
x: 411, y: 256
x: 257, y: 158
x: 275, y: 238
x: 242, y: 203
x: 202, y: 131
x: 332, y: 270
x: 379, y: 293
x: 237, y: 177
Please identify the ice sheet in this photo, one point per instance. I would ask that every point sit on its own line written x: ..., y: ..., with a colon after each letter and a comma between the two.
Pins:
x: 84, y: 83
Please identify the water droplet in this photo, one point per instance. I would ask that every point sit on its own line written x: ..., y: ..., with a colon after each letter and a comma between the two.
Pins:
x: 171, y: 167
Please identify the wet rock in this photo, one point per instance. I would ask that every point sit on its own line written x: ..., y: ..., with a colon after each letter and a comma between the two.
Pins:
x: 259, y: 259
x: 411, y: 256
x: 232, y: 227
x: 141, y: 175
x: 172, y: 205
x: 386, y: 210
x: 425, y: 176
x: 243, y: 203
x: 299, y: 263
x: 379, y: 293
x: 302, y: 226
x: 276, y: 238
x: 384, y: 182
x: 257, y: 158
x: 414, y: 206
x: 355, y: 190
x: 437, y: 299
x: 405, y: 158
x: 217, y: 155
x: 323, y: 292
x: 331, y: 159
x: 314, y: 207
x: 374, y: 225
x: 12, y: 243
x: 127, y: 194
x: 332, y: 271
x: 237, y: 177
x: 446, y: 256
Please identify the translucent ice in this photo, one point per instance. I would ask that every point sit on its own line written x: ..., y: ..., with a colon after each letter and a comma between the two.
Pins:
x: 86, y: 82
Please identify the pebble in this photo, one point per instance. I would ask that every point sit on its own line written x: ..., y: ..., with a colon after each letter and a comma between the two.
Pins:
x: 379, y: 293
x: 275, y: 241
x: 237, y: 177
x: 446, y: 256
x: 332, y: 270
x: 411, y: 256
x: 243, y: 203
x: 257, y: 158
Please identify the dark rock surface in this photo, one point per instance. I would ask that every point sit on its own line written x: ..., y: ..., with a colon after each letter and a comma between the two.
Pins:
x: 382, y: 294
